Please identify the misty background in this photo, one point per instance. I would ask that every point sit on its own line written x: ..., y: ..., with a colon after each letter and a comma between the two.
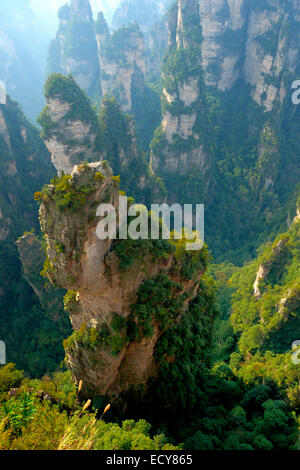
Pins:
x: 26, y: 30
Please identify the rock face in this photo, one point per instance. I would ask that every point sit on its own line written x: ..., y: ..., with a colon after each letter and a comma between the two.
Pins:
x: 266, y: 267
x: 226, y: 106
x: 122, y: 62
x: 32, y: 259
x: 101, y: 352
x: 74, y: 50
x: 238, y: 40
x: 24, y: 166
x: 183, y: 149
x: 74, y: 134
x: 100, y: 62
x: 249, y: 40
x: 70, y: 125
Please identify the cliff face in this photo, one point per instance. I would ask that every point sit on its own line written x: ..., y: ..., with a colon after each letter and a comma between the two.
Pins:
x: 238, y: 40
x: 25, y: 165
x: 250, y: 40
x: 122, y: 63
x: 31, y: 317
x: 182, y: 101
x: 268, y: 312
x: 228, y: 120
x: 32, y: 258
x: 272, y: 51
x: 113, y: 346
x: 70, y: 125
x: 74, y: 50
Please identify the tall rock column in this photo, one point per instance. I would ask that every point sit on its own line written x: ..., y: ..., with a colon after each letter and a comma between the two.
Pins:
x: 122, y: 62
x: 74, y: 50
x: 70, y: 124
x: 118, y: 297
x: 178, y: 145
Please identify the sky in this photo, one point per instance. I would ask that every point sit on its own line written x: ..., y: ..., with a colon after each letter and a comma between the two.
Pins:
x: 51, y: 6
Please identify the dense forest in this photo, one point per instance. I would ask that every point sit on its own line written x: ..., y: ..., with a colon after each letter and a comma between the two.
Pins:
x: 140, y: 344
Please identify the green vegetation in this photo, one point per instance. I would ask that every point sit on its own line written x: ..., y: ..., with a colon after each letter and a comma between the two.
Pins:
x: 65, y: 195
x: 75, y: 44
x: 64, y: 88
x: 117, y: 137
x: 47, y: 414
x: 33, y: 333
x: 255, y: 334
x: 121, y: 41
x: 224, y: 378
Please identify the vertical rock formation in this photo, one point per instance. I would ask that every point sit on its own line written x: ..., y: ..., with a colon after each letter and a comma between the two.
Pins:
x: 32, y: 258
x: 74, y: 50
x: 228, y: 120
x: 70, y: 124
x: 33, y: 331
x: 237, y: 39
x: 223, y: 30
x: 271, y: 50
x: 179, y: 147
x: 122, y: 62
x: 74, y: 134
x: 119, y: 300
x: 24, y: 166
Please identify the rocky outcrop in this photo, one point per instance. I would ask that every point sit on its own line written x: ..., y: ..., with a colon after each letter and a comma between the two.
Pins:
x: 290, y: 302
x: 24, y: 166
x: 32, y: 258
x: 122, y: 62
x: 183, y: 148
x: 251, y: 41
x: 265, y: 268
x: 216, y: 45
x: 102, y: 292
x: 70, y: 125
x: 74, y: 50
x: 74, y: 134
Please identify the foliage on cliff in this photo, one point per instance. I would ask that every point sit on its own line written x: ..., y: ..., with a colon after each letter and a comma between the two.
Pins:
x: 248, y: 162
x: 74, y: 49
x: 32, y: 335
x: 65, y: 89
x: 256, y: 333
